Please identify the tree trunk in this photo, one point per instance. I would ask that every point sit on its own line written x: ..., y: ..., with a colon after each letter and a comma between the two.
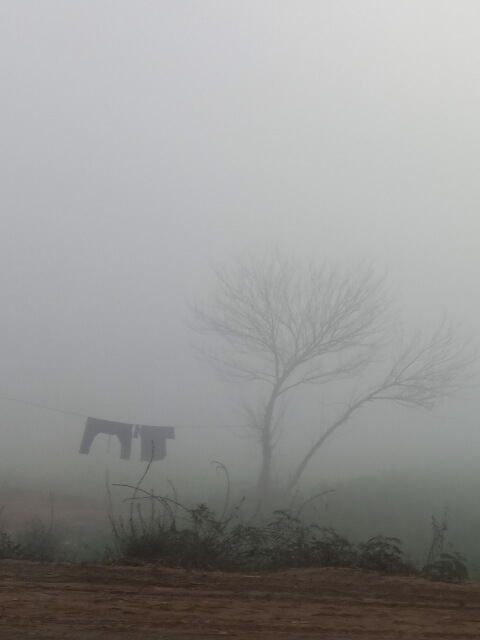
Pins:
x: 263, y: 484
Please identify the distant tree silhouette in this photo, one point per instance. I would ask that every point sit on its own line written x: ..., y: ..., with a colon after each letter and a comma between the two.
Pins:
x: 281, y: 324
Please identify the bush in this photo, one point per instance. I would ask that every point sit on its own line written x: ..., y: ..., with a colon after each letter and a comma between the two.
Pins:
x: 8, y: 548
x: 383, y: 554
x: 35, y: 541
x: 40, y: 542
x: 196, y: 537
x: 441, y: 564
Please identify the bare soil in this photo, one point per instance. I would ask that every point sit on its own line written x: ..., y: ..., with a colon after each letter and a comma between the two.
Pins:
x: 112, y: 602
x: 98, y: 602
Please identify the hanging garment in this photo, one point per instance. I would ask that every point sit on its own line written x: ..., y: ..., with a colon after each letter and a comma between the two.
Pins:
x: 123, y: 431
x: 154, y: 441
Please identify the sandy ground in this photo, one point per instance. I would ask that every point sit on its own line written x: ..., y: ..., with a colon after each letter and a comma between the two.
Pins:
x: 96, y: 602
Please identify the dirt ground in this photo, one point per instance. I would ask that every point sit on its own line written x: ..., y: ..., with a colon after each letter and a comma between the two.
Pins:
x: 94, y: 602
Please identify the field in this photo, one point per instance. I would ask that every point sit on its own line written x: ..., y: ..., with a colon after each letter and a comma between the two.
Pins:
x: 99, y: 601
x: 95, y: 602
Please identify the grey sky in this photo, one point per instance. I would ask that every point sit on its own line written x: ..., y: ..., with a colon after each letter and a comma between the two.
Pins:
x: 140, y: 141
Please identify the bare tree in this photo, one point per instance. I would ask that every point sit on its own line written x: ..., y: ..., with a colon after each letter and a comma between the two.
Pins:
x: 282, y: 325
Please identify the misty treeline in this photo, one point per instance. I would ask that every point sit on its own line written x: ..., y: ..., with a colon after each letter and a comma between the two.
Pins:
x: 279, y: 323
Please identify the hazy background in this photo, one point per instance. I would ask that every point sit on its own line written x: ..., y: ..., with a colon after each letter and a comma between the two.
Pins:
x: 142, y: 141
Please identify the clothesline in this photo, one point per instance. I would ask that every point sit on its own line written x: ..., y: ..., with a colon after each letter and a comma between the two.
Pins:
x: 82, y: 415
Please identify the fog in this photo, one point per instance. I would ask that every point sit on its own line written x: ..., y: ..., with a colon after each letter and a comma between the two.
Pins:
x: 143, y: 142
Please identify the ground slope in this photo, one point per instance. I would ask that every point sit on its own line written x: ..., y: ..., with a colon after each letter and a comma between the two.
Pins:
x: 108, y: 602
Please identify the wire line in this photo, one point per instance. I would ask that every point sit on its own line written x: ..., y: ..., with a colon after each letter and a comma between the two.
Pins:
x: 82, y: 415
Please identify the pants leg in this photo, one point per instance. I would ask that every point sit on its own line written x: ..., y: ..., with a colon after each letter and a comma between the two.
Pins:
x: 89, y: 434
x: 125, y: 444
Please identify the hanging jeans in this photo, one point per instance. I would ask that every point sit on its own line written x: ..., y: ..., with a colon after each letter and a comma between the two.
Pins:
x: 123, y: 431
